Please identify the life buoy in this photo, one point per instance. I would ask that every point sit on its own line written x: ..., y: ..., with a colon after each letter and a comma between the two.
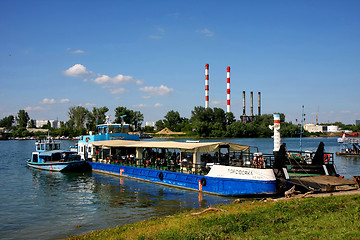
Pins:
x: 86, y: 139
x: 161, y: 176
x: 327, y: 157
x: 258, y: 161
x: 203, y: 182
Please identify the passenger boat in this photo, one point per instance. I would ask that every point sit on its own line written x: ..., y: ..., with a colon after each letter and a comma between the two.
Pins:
x: 213, y: 167
x: 49, y: 156
x: 107, y: 131
x: 220, y: 168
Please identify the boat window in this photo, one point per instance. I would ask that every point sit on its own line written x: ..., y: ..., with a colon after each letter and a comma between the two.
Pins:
x: 56, y: 157
x: 57, y: 146
x: 37, y: 147
x: 125, y: 129
x: 35, y: 158
x: 82, y: 149
x: 42, y: 146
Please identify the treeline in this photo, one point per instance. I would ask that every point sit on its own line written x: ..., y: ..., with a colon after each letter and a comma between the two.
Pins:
x: 81, y: 121
x: 208, y: 122
x: 204, y: 122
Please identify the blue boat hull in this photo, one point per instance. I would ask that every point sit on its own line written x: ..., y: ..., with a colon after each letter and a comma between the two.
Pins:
x: 213, y: 185
x: 75, y: 166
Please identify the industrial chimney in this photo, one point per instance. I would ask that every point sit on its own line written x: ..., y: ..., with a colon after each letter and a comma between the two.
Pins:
x: 244, y: 104
x: 206, y: 85
x: 228, y: 90
x: 259, y: 105
x: 251, y: 105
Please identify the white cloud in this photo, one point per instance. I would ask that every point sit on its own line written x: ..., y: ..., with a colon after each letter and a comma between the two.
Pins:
x: 78, y: 70
x: 118, y: 79
x: 139, y: 82
x: 157, y: 91
x: 79, y: 51
x: 218, y: 103
x: 48, y: 101
x: 140, y: 105
x: 53, y: 101
x: 117, y: 91
x: 158, y: 105
x: 206, y: 32
x: 34, y: 108
x: 64, y: 100
x: 88, y: 104
x: 106, y: 81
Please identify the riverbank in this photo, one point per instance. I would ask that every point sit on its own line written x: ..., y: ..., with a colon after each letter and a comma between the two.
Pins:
x: 329, y: 216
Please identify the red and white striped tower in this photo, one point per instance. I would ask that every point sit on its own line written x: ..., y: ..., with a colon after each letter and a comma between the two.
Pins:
x: 206, y: 85
x: 228, y: 90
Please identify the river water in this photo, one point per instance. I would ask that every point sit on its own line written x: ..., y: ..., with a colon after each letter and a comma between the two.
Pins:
x: 44, y: 205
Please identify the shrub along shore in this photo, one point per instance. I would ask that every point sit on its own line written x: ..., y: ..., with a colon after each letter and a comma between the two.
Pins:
x: 331, y: 217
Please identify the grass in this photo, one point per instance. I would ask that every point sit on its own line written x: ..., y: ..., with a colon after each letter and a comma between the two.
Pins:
x: 336, y: 217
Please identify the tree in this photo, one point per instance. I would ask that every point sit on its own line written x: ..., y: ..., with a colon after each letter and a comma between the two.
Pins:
x: 219, y: 116
x: 159, y: 125
x: 134, y: 118
x: 172, y: 120
x: 78, y: 116
x: 32, y: 123
x: 126, y: 113
x: 22, y: 118
x: 137, y: 120
x: 230, y: 118
x: 97, y: 116
x: 7, y: 122
x: 47, y: 125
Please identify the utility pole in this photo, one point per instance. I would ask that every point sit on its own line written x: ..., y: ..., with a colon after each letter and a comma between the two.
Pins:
x: 302, y: 123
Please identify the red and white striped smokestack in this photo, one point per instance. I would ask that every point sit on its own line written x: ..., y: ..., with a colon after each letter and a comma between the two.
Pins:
x: 206, y: 85
x: 228, y: 90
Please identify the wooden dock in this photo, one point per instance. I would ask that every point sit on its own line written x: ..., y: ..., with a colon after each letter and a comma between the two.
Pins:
x: 324, y: 183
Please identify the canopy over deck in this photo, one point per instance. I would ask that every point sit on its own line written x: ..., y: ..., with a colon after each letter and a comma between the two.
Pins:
x: 183, y: 146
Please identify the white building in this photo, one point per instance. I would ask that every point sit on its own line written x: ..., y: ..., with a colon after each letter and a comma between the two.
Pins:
x: 312, y: 128
x: 332, y: 129
x: 150, y: 124
x: 53, y: 123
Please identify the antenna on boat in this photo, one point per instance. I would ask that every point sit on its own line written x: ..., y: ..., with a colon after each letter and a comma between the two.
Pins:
x: 122, y: 119
x: 302, y: 123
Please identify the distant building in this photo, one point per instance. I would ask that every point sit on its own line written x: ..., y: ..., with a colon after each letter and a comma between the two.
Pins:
x: 312, y: 128
x: 357, y: 122
x: 53, y: 123
x: 150, y: 124
x: 332, y: 129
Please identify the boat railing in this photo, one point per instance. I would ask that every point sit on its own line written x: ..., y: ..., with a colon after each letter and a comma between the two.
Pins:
x: 247, y: 159
x: 351, y: 140
x: 307, y: 157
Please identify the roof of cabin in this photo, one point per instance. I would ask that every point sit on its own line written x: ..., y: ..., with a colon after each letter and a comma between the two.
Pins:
x: 183, y: 146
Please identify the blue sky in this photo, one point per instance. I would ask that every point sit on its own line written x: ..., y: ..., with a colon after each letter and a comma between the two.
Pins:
x: 150, y: 56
